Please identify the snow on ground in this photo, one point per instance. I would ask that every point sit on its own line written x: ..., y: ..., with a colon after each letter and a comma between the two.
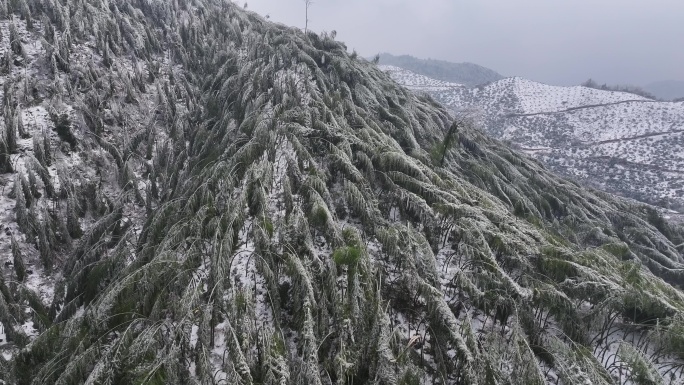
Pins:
x: 537, y: 97
x: 617, y: 141
x: 414, y: 81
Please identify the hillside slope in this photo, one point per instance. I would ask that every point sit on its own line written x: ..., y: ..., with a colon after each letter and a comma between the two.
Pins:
x: 468, y: 74
x: 617, y: 141
x: 216, y: 199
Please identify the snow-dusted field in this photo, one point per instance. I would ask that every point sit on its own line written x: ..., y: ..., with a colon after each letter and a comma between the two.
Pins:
x: 533, y: 97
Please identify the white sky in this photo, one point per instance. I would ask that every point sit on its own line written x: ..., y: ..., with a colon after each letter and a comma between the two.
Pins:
x: 553, y: 41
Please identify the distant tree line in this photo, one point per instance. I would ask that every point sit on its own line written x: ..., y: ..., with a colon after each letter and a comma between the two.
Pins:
x: 620, y: 88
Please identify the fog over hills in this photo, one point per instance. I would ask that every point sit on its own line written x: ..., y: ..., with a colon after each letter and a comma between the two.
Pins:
x: 667, y: 89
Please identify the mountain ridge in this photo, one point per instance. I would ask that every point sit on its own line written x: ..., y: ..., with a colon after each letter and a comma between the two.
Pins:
x: 469, y: 74
x: 571, y: 129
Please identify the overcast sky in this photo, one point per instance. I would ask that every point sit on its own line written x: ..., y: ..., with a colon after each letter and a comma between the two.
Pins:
x: 553, y: 41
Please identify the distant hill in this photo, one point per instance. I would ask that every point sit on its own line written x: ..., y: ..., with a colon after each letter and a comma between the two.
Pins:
x: 468, y: 74
x: 417, y: 82
x: 667, y: 89
x: 617, y: 141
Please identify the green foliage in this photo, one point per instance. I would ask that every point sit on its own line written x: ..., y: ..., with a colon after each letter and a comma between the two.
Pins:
x: 348, y: 255
x: 73, y: 225
x: 557, y: 269
x: 267, y: 150
x: 319, y: 216
x: 156, y: 376
x: 410, y: 378
x: 63, y: 127
x: 18, y: 261
x: 642, y: 371
x: 449, y: 139
x: 437, y: 153
x: 20, y: 208
x: 620, y: 250
x: 5, y: 160
x: 15, y: 40
x: 10, y: 137
x: 498, y: 245
x: 640, y: 309
x: 632, y: 274
x: 656, y: 220
x: 673, y: 336
x: 519, y: 210
x: 268, y: 227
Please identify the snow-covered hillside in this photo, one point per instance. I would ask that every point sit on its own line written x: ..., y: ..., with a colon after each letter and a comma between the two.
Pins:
x: 191, y: 194
x: 619, y: 141
x: 533, y: 97
x: 418, y: 82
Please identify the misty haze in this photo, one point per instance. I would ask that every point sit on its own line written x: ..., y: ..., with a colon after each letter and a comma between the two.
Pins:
x: 626, y: 42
